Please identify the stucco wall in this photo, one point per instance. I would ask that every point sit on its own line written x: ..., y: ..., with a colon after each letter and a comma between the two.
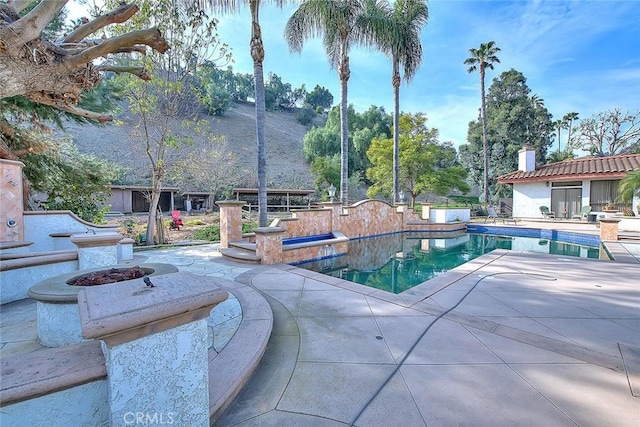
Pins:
x: 85, y: 405
x: 440, y: 215
x: 38, y: 225
x: 528, y: 197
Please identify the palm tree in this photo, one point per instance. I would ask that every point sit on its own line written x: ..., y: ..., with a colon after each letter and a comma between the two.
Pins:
x: 536, y: 101
x: 629, y: 187
x: 560, y: 156
x: 257, y: 54
x: 482, y: 58
x: 396, y: 32
x: 559, y: 124
x: 340, y: 24
x: 569, y: 118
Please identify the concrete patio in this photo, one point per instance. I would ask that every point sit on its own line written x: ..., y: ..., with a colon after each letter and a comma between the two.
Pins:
x: 507, y: 339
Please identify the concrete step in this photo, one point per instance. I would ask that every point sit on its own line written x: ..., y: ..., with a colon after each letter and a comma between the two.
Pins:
x: 241, y: 255
x: 243, y: 245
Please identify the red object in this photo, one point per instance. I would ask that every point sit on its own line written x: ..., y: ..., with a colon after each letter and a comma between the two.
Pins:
x: 176, y: 222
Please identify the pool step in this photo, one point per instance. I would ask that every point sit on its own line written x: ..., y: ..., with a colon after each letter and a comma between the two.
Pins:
x: 241, y: 251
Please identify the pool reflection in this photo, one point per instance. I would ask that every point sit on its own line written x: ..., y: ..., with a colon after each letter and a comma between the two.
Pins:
x: 397, y: 262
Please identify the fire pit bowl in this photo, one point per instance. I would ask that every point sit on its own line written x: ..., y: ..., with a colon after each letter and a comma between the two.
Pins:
x: 57, y: 299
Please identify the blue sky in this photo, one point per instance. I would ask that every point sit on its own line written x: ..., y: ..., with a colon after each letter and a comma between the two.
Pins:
x: 579, y: 56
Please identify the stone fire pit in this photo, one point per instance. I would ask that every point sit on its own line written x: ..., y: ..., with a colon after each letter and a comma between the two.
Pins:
x: 57, y: 300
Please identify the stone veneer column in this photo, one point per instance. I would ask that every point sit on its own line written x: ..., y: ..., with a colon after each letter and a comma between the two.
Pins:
x: 230, y: 221
x: 609, y: 229
x: 155, y: 346
x: 336, y: 211
x: 269, y: 244
x: 402, y: 208
x: 11, y: 222
x: 96, y: 249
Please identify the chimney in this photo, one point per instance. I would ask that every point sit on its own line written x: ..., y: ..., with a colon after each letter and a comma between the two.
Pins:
x: 527, y: 159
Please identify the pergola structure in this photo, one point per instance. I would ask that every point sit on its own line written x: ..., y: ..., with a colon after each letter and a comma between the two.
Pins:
x: 278, y: 199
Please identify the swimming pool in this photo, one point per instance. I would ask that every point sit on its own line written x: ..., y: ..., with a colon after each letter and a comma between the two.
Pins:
x: 399, y: 261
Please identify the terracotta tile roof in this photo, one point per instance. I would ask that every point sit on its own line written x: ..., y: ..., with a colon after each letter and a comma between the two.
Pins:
x: 613, y: 167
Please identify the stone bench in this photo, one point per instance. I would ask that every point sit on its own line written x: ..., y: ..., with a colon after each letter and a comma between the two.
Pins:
x: 43, y: 372
x: 11, y: 261
x: 14, y: 246
x: 20, y: 271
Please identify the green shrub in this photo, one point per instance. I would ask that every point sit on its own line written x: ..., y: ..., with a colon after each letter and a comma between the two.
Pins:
x: 247, y: 227
x: 305, y: 115
x: 193, y: 222
x: 210, y: 233
x: 471, y: 200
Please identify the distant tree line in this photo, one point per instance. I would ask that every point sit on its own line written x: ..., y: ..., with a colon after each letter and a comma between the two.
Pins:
x: 219, y: 88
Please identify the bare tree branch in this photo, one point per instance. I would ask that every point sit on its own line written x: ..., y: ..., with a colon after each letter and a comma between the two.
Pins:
x: 118, y: 16
x: 42, y: 98
x: 150, y: 37
x: 140, y: 72
x: 30, y: 26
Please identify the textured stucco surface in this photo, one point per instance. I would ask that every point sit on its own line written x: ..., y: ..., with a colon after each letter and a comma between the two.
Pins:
x: 98, y: 256
x: 163, y: 375
x: 58, y: 324
x: 86, y: 405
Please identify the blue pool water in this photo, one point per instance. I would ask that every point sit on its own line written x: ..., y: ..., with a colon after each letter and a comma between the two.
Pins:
x: 397, y: 262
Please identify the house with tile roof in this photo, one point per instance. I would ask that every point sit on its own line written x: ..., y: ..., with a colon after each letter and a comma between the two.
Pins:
x: 565, y: 187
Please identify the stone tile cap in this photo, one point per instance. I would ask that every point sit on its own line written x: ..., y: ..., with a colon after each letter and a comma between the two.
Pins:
x: 101, y: 238
x: 51, y: 369
x: 110, y: 309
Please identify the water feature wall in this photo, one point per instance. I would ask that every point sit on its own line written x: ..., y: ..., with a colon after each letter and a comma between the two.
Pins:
x: 368, y: 218
x: 364, y: 218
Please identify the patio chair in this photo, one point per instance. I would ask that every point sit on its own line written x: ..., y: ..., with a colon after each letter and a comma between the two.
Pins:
x: 546, y: 213
x: 584, y: 212
x: 491, y: 214
x: 495, y: 215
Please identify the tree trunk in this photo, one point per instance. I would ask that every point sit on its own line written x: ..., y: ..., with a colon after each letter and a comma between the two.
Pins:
x: 395, y: 81
x: 154, y: 201
x: 257, y: 53
x: 151, y: 220
x: 159, y: 227
x: 485, y: 145
x: 344, y: 74
x: 558, y: 138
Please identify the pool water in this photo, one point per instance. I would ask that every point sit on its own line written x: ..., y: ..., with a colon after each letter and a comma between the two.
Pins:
x: 397, y: 262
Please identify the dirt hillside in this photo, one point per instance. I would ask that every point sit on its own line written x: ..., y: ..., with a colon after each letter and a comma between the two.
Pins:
x: 285, y: 161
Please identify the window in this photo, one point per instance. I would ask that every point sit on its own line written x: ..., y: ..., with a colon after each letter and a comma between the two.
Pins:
x: 605, y: 193
x: 567, y: 184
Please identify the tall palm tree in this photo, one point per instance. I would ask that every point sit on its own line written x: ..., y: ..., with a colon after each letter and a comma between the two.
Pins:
x: 559, y: 125
x: 569, y: 118
x: 257, y: 54
x: 482, y: 58
x: 396, y: 32
x: 339, y: 22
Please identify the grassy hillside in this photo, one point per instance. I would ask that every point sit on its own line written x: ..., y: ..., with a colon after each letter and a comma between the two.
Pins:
x: 285, y: 162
